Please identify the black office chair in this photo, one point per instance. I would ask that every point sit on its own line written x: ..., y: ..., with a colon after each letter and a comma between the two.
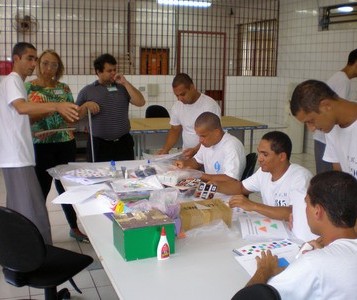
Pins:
x: 28, y: 261
x: 257, y: 291
x: 251, y: 160
x: 156, y: 111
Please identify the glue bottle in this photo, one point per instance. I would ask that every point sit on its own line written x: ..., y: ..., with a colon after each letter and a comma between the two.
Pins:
x: 112, y: 169
x: 163, y: 248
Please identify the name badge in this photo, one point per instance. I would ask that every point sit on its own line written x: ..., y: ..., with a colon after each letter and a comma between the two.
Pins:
x: 112, y: 88
x: 58, y: 92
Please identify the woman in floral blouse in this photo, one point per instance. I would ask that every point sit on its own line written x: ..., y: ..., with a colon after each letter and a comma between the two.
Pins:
x: 56, y: 147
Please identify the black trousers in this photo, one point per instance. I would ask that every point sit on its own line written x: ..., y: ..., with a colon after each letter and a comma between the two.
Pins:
x: 48, y: 156
x: 121, y: 149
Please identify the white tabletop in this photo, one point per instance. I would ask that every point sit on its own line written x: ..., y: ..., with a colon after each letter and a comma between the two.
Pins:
x: 203, y: 266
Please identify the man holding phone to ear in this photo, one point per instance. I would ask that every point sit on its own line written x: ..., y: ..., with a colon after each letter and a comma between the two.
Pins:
x: 108, y: 100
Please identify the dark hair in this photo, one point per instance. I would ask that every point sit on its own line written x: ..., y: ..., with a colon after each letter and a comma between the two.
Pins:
x: 308, y: 95
x: 352, y: 57
x: 279, y: 142
x: 209, y: 120
x: 336, y: 192
x: 20, y: 48
x: 182, y: 78
x: 101, y: 60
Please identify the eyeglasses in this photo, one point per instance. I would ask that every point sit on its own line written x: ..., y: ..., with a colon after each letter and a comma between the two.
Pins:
x: 49, y: 65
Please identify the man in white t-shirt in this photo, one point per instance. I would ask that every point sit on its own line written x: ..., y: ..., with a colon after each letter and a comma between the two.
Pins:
x: 281, y: 184
x: 314, y: 103
x: 17, y: 159
x: 221, y: 154
x: 340, y: 83
x: 191, y: 103
x: 329, y: 270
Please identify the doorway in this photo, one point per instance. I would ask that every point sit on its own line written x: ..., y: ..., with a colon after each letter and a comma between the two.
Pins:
x: 202, y: 55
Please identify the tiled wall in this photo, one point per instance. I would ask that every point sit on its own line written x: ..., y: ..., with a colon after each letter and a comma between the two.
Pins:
x: 303, y: 53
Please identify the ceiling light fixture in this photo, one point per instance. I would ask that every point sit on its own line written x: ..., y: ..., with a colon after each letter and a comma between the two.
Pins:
x: 345, y: 9
x: 185, y: 3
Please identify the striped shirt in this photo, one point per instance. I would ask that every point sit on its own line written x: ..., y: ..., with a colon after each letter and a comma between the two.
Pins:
x: 112, y: 122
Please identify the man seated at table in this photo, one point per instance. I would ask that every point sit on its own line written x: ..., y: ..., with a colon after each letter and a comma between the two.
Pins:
x: 282, y: 185
x: 328, y: 271
x: 191, y: 103
x: 221, y: 154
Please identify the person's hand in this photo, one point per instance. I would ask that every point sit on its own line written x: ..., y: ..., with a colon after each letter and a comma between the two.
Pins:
x: 161, y: 152
x: 207, y: 177
x: 180, y: 164
x: 189, y: 153
x: 242, y: 202
x: 120, y: 79
x: 68, y: 111
x: 268, y: 264
x: 93, y: 107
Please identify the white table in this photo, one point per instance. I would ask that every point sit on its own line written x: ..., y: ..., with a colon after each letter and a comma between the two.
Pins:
x: 203, y: 266
x: 141, y: 127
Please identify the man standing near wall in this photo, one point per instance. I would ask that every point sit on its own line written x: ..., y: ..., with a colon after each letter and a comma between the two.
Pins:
x: 17, y: 158
x: 340, y: 83
x: 108, y: 101
x: 314, y: 103
x: 191, y: 103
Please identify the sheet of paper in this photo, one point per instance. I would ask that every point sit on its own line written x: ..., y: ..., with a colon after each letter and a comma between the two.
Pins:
x: 162, y: 157
x: 93, y: 206
x: 86, y: 181
x: 246, y: 255
x: 79, y: 194
x: 128, y: 185
x: 258, y: 227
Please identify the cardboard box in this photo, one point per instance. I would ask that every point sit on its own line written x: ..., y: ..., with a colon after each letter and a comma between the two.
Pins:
x: 136, y: 235
x: 198, y: 213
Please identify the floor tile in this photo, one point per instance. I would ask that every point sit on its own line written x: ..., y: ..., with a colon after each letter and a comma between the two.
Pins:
x: 8, y: 291
x: 100, y: 278
x: 107, y: 293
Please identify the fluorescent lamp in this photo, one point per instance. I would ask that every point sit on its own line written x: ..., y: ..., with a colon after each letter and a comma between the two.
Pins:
x: 345, y: 9
x: 185, y: 3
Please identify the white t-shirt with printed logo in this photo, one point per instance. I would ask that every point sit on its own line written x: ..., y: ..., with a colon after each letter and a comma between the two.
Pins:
x: 288, y: 190
x: 341, y: 147
x: 226, y: 157
x: 186, y: 115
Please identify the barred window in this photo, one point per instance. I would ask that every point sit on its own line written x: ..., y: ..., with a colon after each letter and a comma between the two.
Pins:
x: 240, y: 34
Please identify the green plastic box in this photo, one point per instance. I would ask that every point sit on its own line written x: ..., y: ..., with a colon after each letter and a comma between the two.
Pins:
x: 136, y: 235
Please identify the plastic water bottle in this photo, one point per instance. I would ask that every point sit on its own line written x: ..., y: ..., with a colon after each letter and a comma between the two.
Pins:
x: 112, y: 169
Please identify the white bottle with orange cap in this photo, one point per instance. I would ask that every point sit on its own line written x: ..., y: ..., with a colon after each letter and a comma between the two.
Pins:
x: 163, y: 248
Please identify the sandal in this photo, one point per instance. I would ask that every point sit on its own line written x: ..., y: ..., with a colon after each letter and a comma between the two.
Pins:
x: 79, y: 236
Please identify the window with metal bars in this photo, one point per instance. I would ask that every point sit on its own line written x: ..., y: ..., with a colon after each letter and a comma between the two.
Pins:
x: 204, y: 42
x: 257, y: 48
x: 338, y: 17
